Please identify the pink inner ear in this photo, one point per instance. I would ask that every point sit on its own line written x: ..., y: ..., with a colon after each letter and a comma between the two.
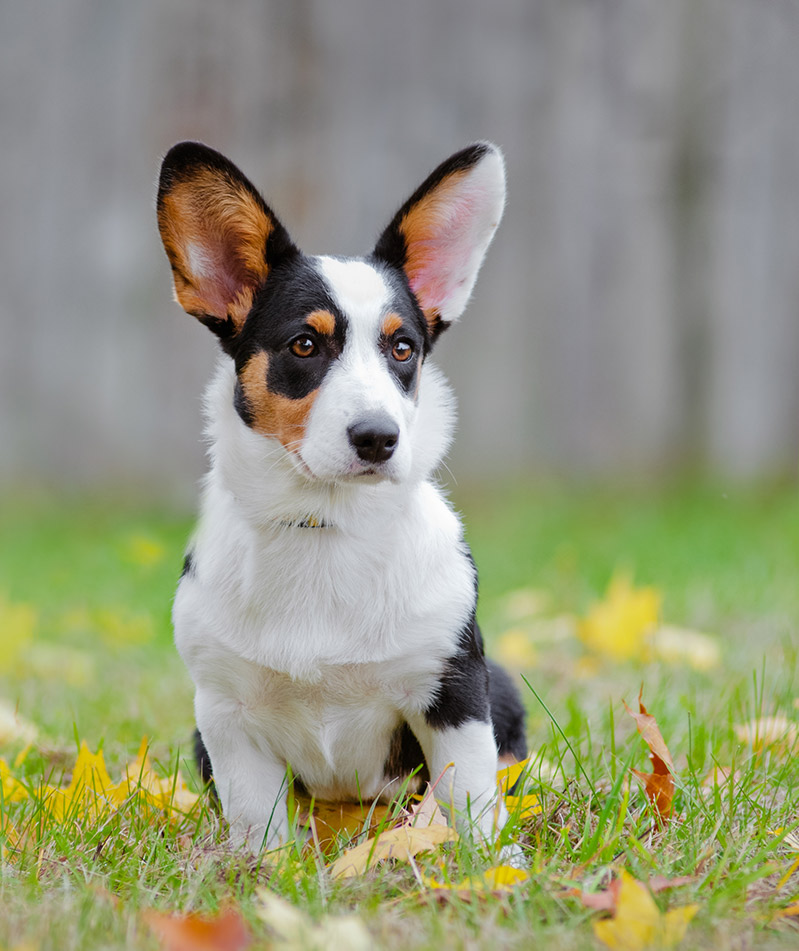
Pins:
x: 216, y: 273
x: 447, y: 236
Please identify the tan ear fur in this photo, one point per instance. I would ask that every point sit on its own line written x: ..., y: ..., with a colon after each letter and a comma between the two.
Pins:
x: 214, y: 232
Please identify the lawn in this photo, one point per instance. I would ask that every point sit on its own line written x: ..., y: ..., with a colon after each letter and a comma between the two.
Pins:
x: 86, y: 656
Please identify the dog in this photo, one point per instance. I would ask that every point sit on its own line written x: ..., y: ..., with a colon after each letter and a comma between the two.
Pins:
x: 326, y: 610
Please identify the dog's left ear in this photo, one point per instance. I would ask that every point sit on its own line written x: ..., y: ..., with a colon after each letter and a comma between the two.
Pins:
x: 439, y: 237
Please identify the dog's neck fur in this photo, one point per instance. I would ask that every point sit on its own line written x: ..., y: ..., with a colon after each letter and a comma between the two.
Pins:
x: 270, y: 492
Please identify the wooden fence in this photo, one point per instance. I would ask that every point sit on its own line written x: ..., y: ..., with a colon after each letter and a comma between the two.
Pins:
x: 639, y: 310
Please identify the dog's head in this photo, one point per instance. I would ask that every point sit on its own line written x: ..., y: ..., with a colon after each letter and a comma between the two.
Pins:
x: 328, y: 351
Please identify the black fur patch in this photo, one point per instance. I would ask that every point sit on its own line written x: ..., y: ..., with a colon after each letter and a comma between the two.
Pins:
x: 293, y: 291
x: 405, y: 756
x: 203, y: 760
x: 507, y: 712
x: 188, y: 565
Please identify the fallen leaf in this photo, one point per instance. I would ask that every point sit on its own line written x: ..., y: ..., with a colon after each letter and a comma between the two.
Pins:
x: 90, y: 792
x: 142, y: 551
x: 169, y: 794
x: 638, y: 923
x: 659, y: 784
x: 790, y: 911
x: 621, y: 625
x: 514, y: 649
x: 524, y: 807
x: 508, y: 776
x: 13, y: 727
x: 329, y: 820
x: 226, y: 931
x: 11, y: 789
x: 607, y: 899
x: 775, y: 733
x: 678, y: 645
x: 401, y: 843
x: 495, y: 882
x: 296, y: 931
x: 17, y: 628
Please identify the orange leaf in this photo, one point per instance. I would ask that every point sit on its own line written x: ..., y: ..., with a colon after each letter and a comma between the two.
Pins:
x: 659, y: 784
x: 226, y: 931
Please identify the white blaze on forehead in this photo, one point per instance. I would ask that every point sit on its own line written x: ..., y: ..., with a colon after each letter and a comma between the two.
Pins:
x: 358, y: 288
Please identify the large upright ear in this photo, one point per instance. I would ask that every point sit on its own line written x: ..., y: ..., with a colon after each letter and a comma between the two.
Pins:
x: 441, y: 234
x: 219, y: 235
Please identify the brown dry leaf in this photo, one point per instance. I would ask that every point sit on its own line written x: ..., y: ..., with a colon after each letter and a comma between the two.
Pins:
x: 226, y: 931
x: 659, y: 784
x: 401, y: 843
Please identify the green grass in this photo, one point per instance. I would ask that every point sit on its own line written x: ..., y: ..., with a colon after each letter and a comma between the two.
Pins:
x: 102, y: 667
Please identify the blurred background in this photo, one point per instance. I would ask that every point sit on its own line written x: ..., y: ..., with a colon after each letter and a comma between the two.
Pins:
x: 638, y: 314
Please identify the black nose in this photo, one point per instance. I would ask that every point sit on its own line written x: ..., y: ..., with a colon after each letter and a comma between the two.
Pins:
x: 374, y: 438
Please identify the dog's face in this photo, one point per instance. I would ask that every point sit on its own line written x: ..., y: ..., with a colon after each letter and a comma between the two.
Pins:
x: 328, y: 351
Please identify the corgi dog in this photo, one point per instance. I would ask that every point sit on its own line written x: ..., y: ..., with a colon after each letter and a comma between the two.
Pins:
x: 326, y: 610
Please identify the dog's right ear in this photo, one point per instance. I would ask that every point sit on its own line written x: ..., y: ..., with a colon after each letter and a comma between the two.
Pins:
x: 219, y: 235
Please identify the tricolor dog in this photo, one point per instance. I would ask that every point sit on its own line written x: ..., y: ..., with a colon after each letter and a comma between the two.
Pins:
x: 326, y: 610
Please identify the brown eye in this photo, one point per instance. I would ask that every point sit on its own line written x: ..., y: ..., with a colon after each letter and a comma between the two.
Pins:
x: 303, y: 347
x: 402, y: 351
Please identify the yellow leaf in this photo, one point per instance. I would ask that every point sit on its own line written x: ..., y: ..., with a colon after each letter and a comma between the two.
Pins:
x: 400, y: 843
x: 17, y: 628
x: 514, y: 649
x: 508, y: 776
x: 13, y: 727
x: 524, y: 603
x: 12, y: 789
x: 90, y: 793
x: 621, y: 625
x: 143, y: 551
x: 495, y: 881
x: 525, y: 807
x: 639, y: 924
x: 169, y: 794
x: 296, y: 931
x: 776, y: 733
x: 678, y: 645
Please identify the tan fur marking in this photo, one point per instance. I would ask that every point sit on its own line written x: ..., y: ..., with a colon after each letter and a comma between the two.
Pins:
x: 507, y: 760
x: 322, y: 321
x: 391, y: 324
x: 214, y: 232
x: 420, y: 228
x: 274, y: 415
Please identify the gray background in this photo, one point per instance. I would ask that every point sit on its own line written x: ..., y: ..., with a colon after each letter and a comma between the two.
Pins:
x: 638, y: 312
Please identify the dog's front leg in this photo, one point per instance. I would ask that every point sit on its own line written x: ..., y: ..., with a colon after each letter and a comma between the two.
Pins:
x: 250, y: 780
x: 463, y: 758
